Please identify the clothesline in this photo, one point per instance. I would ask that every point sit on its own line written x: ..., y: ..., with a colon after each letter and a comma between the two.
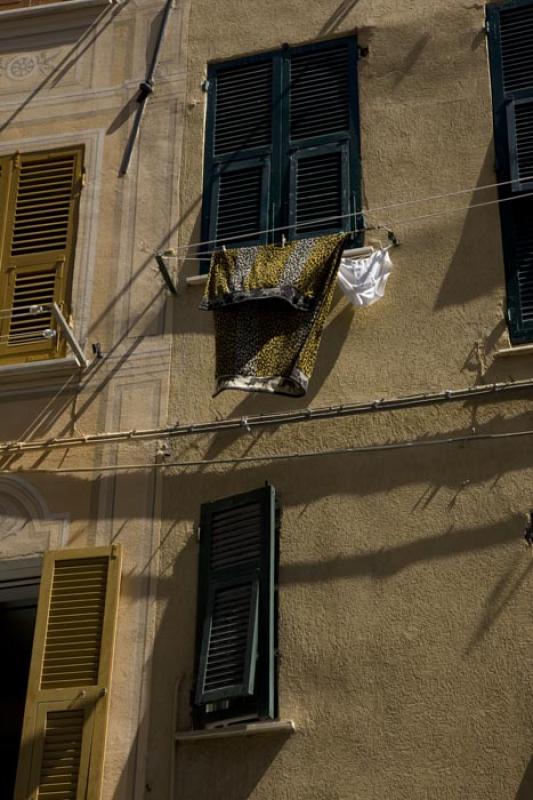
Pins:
x: 366, y: 211
x: 409, y: 444
x: 29, y: 336
x: 13, y: 313
x: 383, y: 249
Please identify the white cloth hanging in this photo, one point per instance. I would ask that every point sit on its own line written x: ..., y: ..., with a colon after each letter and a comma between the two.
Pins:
x: 363, y: 279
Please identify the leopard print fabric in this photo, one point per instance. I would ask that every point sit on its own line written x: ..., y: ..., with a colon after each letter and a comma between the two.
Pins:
x: 270, y: 305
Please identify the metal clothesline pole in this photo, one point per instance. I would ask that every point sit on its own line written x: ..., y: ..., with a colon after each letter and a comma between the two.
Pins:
x: 69, y: 336
x: 281, y: 418
x: 146, y: 88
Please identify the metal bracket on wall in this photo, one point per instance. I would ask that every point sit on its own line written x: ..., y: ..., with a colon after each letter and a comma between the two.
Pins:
x: 163, y: 269
x: 146, y: 88
x: 69, y: 336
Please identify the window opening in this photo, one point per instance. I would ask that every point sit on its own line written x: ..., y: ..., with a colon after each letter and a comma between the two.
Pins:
x: 18, y: 608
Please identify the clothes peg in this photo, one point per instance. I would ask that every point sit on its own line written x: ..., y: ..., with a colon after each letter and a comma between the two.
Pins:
x: 393, y: 239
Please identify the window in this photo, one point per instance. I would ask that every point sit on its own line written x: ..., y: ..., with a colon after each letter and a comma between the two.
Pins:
x: 510, y: 28
x: 39, y: 198
x: 19, y: 587
x: 63, y: 733
x: 282, y: 145
x: 237, y: 610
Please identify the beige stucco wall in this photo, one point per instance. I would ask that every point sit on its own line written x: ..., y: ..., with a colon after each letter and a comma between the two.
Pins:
x: 70, y: 76
x: 405, y: 623
x: 404, y: 585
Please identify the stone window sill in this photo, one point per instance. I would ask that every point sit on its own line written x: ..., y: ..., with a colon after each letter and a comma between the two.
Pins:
x: 37, y: 376
x: 197, y: 280
x: 250, y: 729
x: 518, y: 350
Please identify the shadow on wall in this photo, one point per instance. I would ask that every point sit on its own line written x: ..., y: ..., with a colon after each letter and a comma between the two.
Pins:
x: 336, y: 332
x: 338, y: 17
x: 476, y: 268
x: 231, y: 769
x: 525, y: 790
x: 411, y: 58
x: 131, y: 105
x: 228, y: 769
x: 95, y: 28
x: 451, y: 466
x: 37, y: 415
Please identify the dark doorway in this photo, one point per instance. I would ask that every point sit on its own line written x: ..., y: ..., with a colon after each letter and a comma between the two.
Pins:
x: 17, y: 621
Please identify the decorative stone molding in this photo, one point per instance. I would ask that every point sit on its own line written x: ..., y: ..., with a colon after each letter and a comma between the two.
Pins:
x: 24, y: 65
x: 26, y: 525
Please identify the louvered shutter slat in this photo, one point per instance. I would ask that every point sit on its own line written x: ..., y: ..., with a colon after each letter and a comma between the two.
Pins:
x: 514, y: 63
x: 232, y: 608
x: 239, y: 153
x: 60, y: 767
x: 37, y: 254
x: 243, y: 115
x: 84, y: 613
x: 66, y: 708
x: 321, y: 137
x: 230, y: 668
x: 240, y: 202
x: 523, y: 141
x: 319, y: 191
x: 511, y: 59
x: 235, y: 605
x: 516, y: 26
x: 57, y: 187
x: 319, y: 93
x: 523, y: 256
x: 263, y: 113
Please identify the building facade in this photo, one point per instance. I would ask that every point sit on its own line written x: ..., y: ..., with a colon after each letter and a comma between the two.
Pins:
x: 322, y: 596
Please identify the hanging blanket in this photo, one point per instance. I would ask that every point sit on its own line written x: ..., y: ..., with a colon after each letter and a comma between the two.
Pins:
x: 270, y: 304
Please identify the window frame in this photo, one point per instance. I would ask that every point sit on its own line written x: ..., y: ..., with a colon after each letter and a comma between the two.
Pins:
x: 65, y: 259
x: 261, y: 703
x: 503, y: 103
x: 283, y: 151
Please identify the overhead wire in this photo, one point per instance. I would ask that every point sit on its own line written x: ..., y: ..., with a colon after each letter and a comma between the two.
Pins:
x: 410, y: 444
x: 27, y: 336
x: 17, y: 311
x: 273, y: 419
x: 366, y: 211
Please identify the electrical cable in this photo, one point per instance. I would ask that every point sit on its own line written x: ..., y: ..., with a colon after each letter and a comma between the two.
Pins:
x: 366, y: 211
x: 411, y: 444
x: 18, y: 312
x: 275, y: 419
x: 27, y: 337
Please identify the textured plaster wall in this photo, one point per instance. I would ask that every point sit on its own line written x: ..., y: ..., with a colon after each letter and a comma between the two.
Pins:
x: 70, y: 77
x: 405, y: 614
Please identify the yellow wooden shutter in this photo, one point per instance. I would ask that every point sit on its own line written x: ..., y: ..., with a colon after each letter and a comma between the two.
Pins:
x: 38, y: 251
x: 5, y: 181
x: 63, y: 739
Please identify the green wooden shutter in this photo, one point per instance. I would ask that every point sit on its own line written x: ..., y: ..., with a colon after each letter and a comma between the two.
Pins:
x: 236, y: 609
x: 282, y: 145
x: 510, y: 28
x: 321, y: 138
x: 38, y: 251
x: 239, y: 152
